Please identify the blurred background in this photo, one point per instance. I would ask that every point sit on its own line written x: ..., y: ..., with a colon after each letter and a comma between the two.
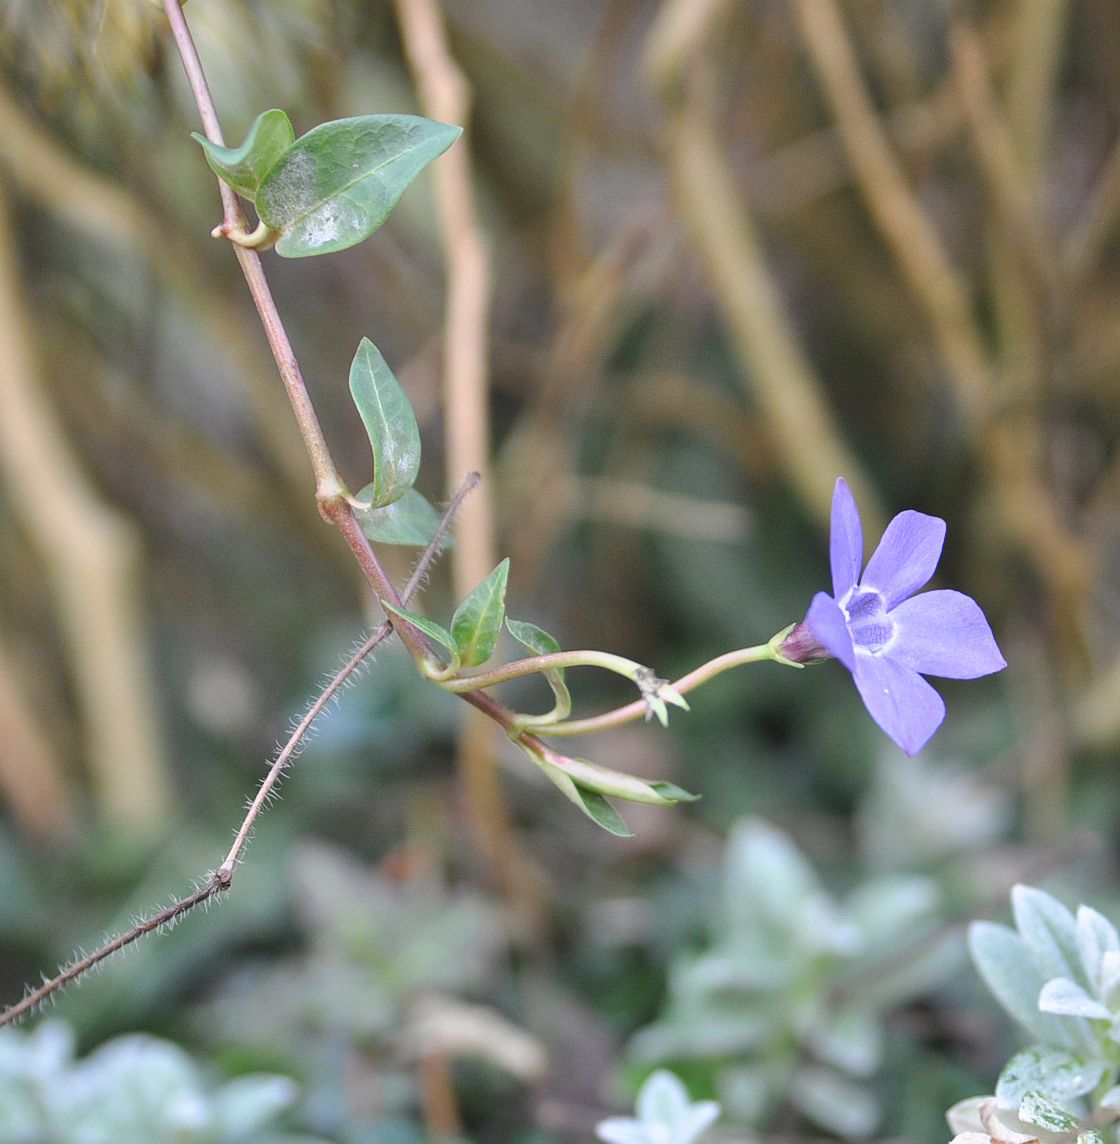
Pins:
x: 690, y: 262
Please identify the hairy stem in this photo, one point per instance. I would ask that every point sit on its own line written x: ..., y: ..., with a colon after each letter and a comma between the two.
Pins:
x: 220, y: 880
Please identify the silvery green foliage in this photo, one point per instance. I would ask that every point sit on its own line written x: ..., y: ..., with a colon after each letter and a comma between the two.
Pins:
x: 135, y: 1088
x: 767, y: 1006
x: 387, y: 956
x: 373, y: 944
x: 666, y: 1115
x: 1058, y: 976
x: 920, y: 811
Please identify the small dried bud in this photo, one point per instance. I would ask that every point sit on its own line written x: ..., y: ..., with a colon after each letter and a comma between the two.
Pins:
x: 798, y: 645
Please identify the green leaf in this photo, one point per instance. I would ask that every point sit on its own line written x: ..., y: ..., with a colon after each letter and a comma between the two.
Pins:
x: 535, y: 639
x: 590, y: 802
x: 673, y: 793
x: 337, y: 184
x: 602, y: 813
x: 430, y: 628
x: 409, y: 520
x: 539, y: 642
x: 478, y: 619
x: 1058, y: 1073
x: 390, y: 424
x: 591, y: 776
x: 244, y: 167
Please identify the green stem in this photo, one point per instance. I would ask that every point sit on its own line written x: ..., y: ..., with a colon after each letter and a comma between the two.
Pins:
x: 632, y: 712
x: 541, y: 663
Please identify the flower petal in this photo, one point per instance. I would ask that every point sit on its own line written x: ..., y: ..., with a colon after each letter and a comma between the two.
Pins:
x: 906, y: 557
x: 826, y: 621
x: 845, y: 542
x: 944, y: 633
x: 899, y: 700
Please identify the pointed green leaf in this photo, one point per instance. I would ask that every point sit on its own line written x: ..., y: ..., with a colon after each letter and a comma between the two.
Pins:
x: 535, y: 639
x: 591, y: 776
x: 430, y: 628
x: 337, y: 184
x: 590, y: 802
x: 539, y: 642
x: 409, y: 520
x: 478, y: 619
x: 602, y: 813
x: 673, y: 793
x: 390, y: 423
x: 244, y: 167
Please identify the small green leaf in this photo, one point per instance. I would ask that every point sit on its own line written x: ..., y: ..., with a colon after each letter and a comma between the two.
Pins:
x: 244, y: 167
x: 337, y: 184
x: 535, y: 639
x: 590, y: 802
x: 478, y: 619
x: 409, y: 520
x: 616, y: 784
x: 602, y: 813
x: 430, y: 628
x: 539, y: 642
x: 390, y: 423
x: 673, y: 793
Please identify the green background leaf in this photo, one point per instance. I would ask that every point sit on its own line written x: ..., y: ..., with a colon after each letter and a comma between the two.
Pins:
x: 478, y: 619
x: 390, y: 423
x: 407, y: 520
x: 337, y: 184
x: 243, y: 168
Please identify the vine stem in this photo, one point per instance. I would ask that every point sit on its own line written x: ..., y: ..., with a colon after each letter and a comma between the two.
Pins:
x: 535, y: 664
x: 639, y: 709
x: 330, y: 491
x: 221, y: 879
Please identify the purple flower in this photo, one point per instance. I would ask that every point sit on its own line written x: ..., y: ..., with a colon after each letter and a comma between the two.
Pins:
x: 887, y: 637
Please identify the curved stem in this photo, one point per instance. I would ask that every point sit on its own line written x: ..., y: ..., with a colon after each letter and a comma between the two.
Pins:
x: 541, y: 663
x: 620, y: 716
x: 260, y: 239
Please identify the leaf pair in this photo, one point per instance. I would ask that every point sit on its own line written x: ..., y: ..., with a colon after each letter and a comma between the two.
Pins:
x: 334, y: 186
x: 389, y: 509
x: 475, y: 626
x: 587, y: 785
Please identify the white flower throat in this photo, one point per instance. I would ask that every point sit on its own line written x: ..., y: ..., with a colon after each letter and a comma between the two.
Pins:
x: 870, y: 626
